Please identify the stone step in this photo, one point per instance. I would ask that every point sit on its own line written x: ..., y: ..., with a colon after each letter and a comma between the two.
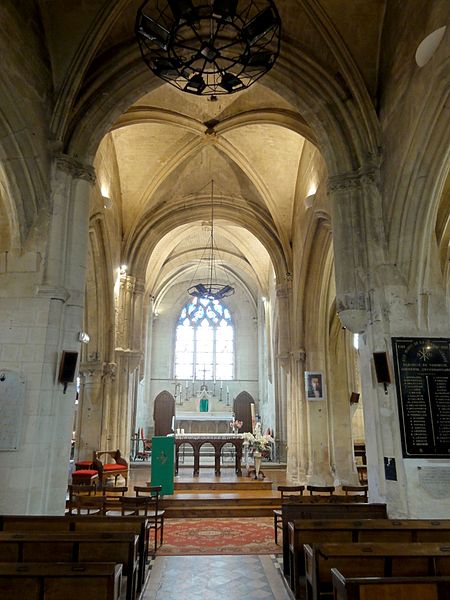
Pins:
x: 200, y: 512
x: 222, y: 486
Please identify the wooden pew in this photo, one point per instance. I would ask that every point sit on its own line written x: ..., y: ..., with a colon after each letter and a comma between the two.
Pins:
x: 325, y: 507
x: 366, y: 530
x: 59, y: 581
x: 387, y: 588
x: 371, y: 560
x: 126, y: 524
x: 44, y: 547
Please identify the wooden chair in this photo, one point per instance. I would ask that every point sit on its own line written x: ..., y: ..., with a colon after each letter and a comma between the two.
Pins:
x: 285, y: 490
x: 351, y: 490
x: 78, y: 490
x: 320, y: 489
x: 157, y: 519
x: 101, y: 461
x: 89, y: 505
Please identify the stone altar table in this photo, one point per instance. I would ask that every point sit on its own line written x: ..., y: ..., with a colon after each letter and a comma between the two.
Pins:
x: 203, y: 422
x: 218, y: 441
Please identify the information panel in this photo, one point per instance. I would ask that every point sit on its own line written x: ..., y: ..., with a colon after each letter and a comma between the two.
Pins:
x: 12, y: 397
x: 422, y: 376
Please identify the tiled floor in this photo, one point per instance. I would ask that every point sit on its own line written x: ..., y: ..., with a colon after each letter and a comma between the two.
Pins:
x: 213, y: 577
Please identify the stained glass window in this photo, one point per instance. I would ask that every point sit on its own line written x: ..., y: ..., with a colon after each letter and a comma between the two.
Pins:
x: 204, y: 344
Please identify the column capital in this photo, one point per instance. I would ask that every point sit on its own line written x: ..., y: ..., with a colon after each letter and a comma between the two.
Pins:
x: 75, y: 168
x: 354, y: 180
x: 299, y: 355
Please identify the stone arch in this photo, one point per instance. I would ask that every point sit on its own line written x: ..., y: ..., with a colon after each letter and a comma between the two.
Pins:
x: 99, y: 302
x: 347, y: 134
x: 21, y: 188
x: 423, y: 174
x: 159, y: 223
x: 315, y: 279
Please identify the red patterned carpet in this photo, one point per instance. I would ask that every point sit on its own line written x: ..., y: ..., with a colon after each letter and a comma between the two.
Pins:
x: 218, y: 536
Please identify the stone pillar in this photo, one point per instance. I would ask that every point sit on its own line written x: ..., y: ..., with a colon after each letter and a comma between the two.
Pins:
x: 297, y: 456
x: 48, y: 305
x: 90, y: 410
x: 108, y: 438
x: 283, y: 296
x: 128, y: 354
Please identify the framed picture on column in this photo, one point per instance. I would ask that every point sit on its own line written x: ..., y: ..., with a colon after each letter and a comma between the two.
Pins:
x: 314, y: 385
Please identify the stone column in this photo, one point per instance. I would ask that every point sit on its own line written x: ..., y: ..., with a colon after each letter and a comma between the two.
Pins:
x: 51, y: 316
x: 128, y: 356
x: 90, y: 410
x: 283, y: 296
x: 297, y: 458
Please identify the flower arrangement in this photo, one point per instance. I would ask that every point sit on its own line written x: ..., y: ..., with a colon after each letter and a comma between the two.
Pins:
x: 257, y: 441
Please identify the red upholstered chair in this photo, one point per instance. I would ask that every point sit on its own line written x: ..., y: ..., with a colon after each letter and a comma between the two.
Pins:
x: 108, y: 469
x: 85, y: 477
x: 83, y: 464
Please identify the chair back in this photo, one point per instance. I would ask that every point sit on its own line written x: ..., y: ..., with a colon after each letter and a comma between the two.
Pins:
x: 289, y: 490
x: 359, y: 490
x: 137, y: 505
x: 90, y: 505
x: 320, y: 489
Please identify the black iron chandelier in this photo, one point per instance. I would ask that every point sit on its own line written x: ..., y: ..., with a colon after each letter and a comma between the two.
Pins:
x: 209, y: 47
x: 211, y: 289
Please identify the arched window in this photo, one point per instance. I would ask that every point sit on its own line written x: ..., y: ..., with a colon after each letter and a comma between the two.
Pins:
x: 204, y: 345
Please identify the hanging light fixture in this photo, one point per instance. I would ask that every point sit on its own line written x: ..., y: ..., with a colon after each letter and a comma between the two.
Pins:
x: 209, y: 47
x: 211, y: 289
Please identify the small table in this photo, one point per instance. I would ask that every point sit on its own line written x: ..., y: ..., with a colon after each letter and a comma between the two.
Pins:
x: 218, y: 441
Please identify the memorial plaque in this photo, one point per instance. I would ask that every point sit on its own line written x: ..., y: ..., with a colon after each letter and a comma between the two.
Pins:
x: 12, y: 397
x: 422, y: 377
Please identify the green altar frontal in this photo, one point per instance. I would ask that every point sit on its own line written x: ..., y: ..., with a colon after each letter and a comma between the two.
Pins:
x: 163, y: 452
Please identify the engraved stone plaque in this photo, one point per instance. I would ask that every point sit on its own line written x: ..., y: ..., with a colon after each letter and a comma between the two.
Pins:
x: 422, y: 377
x: 12, y: 395
x: 435, y: 481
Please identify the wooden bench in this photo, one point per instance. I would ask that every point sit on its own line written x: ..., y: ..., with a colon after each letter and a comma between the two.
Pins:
x: 45, y: 547
x: 138, y: 525
x: 59, y: 581
x: 324, y: 507
x: 305, y: 531
x: 371, y: 560
x: 105, y: 468
x: 387, y: 588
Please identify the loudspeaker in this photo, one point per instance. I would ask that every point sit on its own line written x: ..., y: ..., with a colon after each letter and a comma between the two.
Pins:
x: 68, y: 366
x: 381, y: 367
x: 354, y: 398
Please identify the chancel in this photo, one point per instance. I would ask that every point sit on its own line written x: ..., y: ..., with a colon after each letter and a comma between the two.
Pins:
x: 225, y: 212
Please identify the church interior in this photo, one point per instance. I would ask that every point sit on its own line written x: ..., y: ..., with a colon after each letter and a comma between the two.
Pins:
x: 309, y: 196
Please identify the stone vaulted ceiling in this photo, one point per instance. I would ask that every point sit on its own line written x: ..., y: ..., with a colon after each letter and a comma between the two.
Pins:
x: 169, y: 145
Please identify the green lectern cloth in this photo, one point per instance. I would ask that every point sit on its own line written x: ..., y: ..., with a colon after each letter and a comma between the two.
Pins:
x: 163, y: 463
x: 204, y: 404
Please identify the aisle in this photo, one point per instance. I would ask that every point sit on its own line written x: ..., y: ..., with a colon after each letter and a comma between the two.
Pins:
x: 213, y: 577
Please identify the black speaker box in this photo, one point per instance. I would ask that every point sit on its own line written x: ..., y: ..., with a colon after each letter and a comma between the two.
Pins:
x: 68, y: 366
x: 382, y: 367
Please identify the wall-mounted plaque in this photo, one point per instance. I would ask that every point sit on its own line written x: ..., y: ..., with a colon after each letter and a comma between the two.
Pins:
x: 422, y: 377
x: 12, y: 397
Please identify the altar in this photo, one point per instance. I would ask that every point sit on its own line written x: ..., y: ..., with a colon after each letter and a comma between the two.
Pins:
x: 203, y: 422
x: 196, y: 441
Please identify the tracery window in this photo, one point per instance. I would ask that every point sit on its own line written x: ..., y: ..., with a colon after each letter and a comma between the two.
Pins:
x: 204, y: 346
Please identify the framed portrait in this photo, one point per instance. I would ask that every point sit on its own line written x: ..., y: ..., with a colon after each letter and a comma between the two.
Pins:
x: 314, y: 385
